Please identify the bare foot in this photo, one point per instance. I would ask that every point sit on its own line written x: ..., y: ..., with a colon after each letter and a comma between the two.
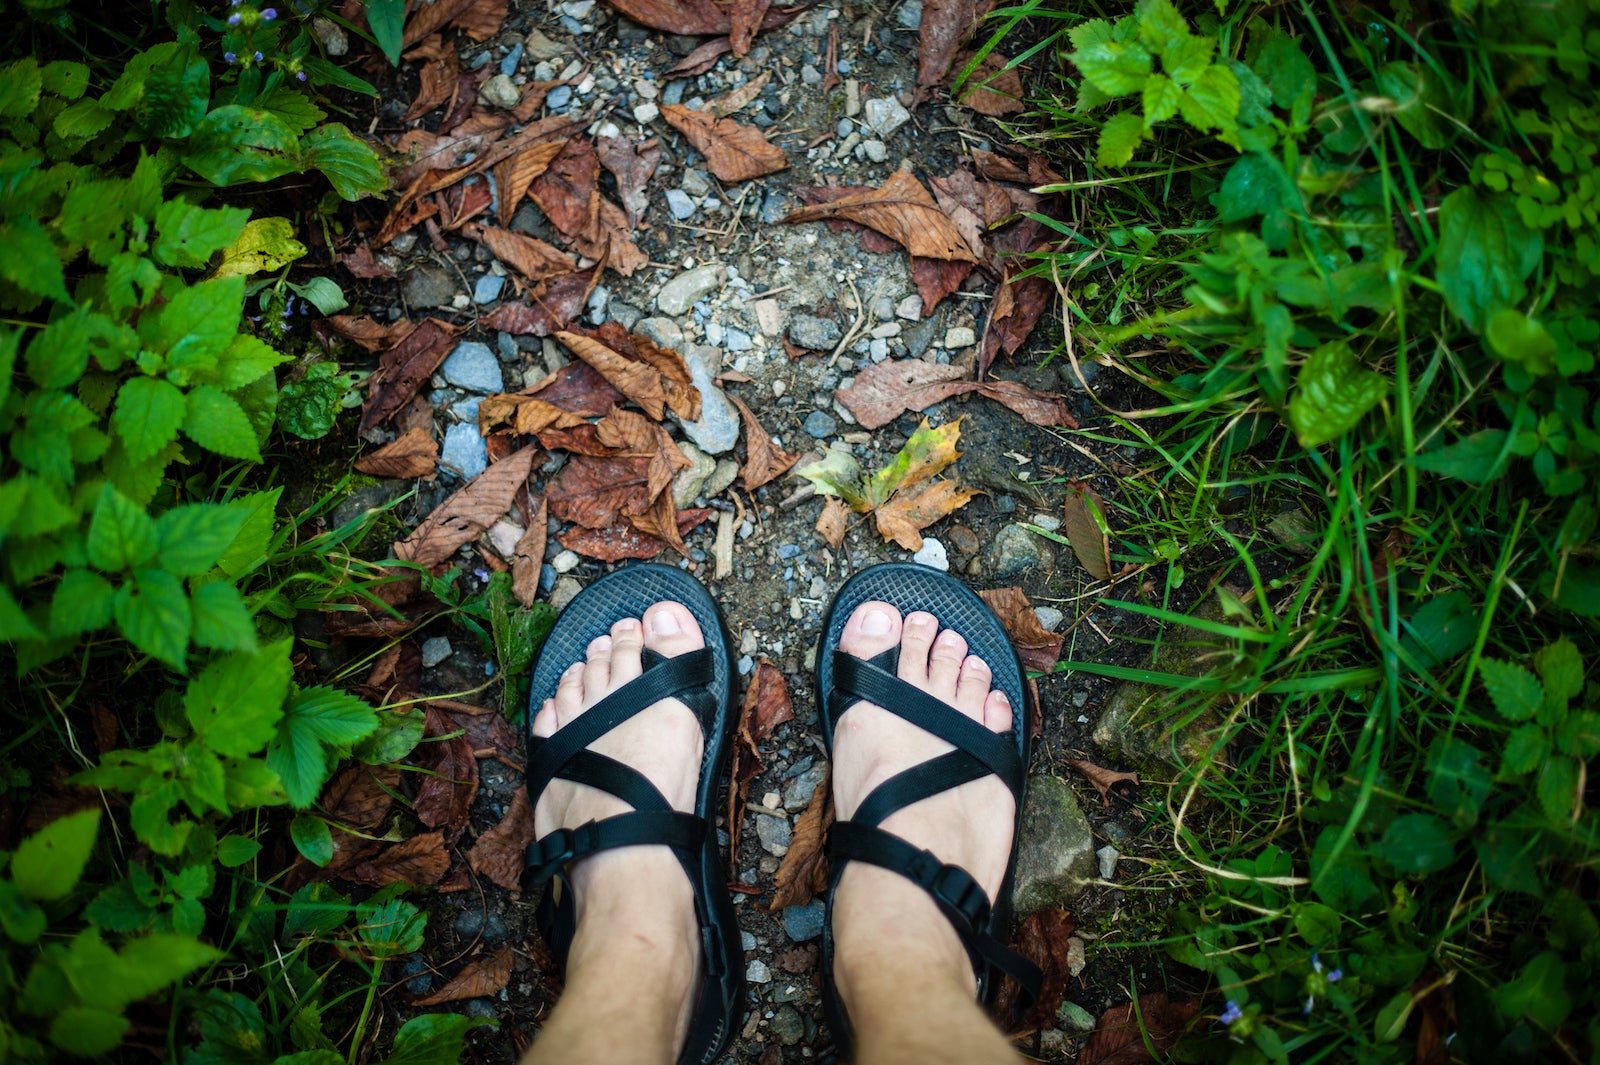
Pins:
x: 970, y: 826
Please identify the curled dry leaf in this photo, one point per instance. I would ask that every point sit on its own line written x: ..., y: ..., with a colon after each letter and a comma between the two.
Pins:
x: 444, y: 797
x: 881, y: 393
x: 419, y: 861
x: 529, y: 256
x: 734, y: 152
x: 360, y: 262
x: 413, y: 453
x: 501, y: 853
x: 766, y: 701
x: 609, y: 241
x: 482, y: 19
x: 632, y: 165
x: 464, y: 516
x: 1044, y: 939
x: 763, y: 461
x: 731, y: 103
x: 938, y: 278
x: 1128, y: 1036
x: 428, y: 19
x: 702, y: 58
x: 576, y: 387
x: 438, y: 78
x: 947, y: 25
x: 403, y: 368
x: 481, y: 979
x: 804, y: 872
x: 1017, y: 309
x: 360, y: 796
x: 1086, y: 529
x: 1102, y: 778
x: 744, y: 21
x: 1038, y: 648
x: 653, y: 377
x: 528, y: 556
x: 527, y: 415
x: 992, y: 89
x: 833, y: 522
x: 909, y: 511
x: 563, y: 297
x: 902, y: 210
x: 693, y: 18
x: 626, y: 542
x: 568, y: 191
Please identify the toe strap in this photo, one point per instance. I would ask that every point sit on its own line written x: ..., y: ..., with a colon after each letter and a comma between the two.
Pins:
x: 959, y: 897
x: 546, y: 857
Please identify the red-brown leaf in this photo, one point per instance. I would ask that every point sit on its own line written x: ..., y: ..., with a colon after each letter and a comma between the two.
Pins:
x: 484, y: 978
x: 947, y: 25
x: 632, y: 165
x: 1126, y: 1036
x: 1042, y: 939
x: 766, y: 701
x: 734, y: 152
x: 529, y: 256
x: 804, y: 872
x: 403, y: 369
x: 1017, y: 309
x: 901, y: 209
x: 881, y: 393
x: 1102, y: 778
x: 414, y: 453
x: 419, y: 861
x: 444, y: 796
x: 465, y: 515
x: 438, y: 79
x: 360, y: 796
x: 562, y: 299
x: 528, y: 558
x: 500, y: 853
x: 692, y: 18
x: 937, y: 278
x: 744, y: 20
x: 991, y: 89
x: 578, y: 389
x: 360, y: 262
x: 568, y: 191
x: 763, y: 460
x: 702, y: 58
x: 1089, y: 541
x: 369, y: 334
x: 1039, y: 648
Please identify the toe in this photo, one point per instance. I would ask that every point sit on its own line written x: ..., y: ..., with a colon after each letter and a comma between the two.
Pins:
x: 873, y: 628
x: 944, y: 665
x: 972, y: 688
x: 670, y: 630
x: 997, y: 712
x: 568, y: 701
x: 627, y: 644
x: 597, y: 669
x: 545, y: 721
x: 916, y: 645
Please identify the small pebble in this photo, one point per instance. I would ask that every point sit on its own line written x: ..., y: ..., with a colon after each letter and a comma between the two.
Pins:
x: 960, y: 337
x: 820, y: 425
x: 565, y: 562
x: 1108, y: 856
x: 435, y: 650
x: 559, y: 97
x: 758, y: 973
x: 487, y: 289
x: 804, y: 922
x: 679, y: 203
x: 933, y: 555
x: 1049, y: 617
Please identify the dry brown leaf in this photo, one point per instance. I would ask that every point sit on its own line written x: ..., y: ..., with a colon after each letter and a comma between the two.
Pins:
x: 1102, y: 778
x: 514, y: 175
x: 693, y: 18
x: 804, y: 872
x: 563, y: 297
x: 529, y: 256
x: 997, y: 167
x: 938, y: 278
x: 901, y: 209
x: 881, y: 393
x: 632, y: 165
x: 483, y: 978
x: 1042, y: 939
x: 528, y: 556
x: 702, y: 58
x: 964, y: 211
x: 464, y: 516
x: 744, y: 20
x: 1039, y: 648
x: 439, y: 78
x: 1018, y: 306
x: 1085, y: 517
x: 593, y: 491
x: 501, y: 853
x: 361, y: 263
x: 655, y: 378
x: 444, y: 796
x: 413, y: 453
x: 988, y: 202
x: 766, y: 701
x: 568, y: 192
x: 403, y: 369
x: 361, y: 796
x: 426, y: 19
x: 992, y: 89
x: 482, y: 19
x: 907, y: 513
x: 796, y: 960
x: 419, y: 861
x: 731, y: 103
x: 576, y: 387
x: 947, y: 25
x: 609, y: 241
x: 1127, y: 1036
x: 734, y: 152
x: 1435, y: 1010
x: 763, y: 461
x: 527, y: 415
x: 833, y: 522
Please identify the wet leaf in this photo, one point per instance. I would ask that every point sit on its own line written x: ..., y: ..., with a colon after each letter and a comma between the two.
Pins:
x: 528, y: 557
x: 804, y: 872
x: 902, y: 210
x: 734, y: 152
x: 445, y: 792
x: 1039, y: 648
x: 1087, y: 530
x: 763, y: 461
x: 639, y: 381
x: 419, y: 861
x: 560, y: 302
x: 632, y: 164
x: 500, y: 853
x: 766, y: 701
x: 568, y: 191
x: 531, y: 257
x: 464, y: 516
x: 903, y: 518
x: 1126, y: 1036
x: 1102, y: 778
x: 404, y: 368
x: 413, y: 453
x: 1044, y: 940
x: 361, y: 796
x: 1018, y: 305
x: 745, y: 19
x: 484, y: 978
x: 881, y: 393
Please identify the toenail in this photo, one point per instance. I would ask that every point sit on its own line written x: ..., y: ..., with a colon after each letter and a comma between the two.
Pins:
x: 876, y: 623
x: 664, y: 623
x: 1005, y: 704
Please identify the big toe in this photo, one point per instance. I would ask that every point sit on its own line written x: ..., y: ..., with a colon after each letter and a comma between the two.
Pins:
x: 873, y: 628
x: 670, y: 630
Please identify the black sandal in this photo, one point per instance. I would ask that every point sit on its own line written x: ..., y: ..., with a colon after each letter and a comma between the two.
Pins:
x: 844, y: 680
x: 703, y: 681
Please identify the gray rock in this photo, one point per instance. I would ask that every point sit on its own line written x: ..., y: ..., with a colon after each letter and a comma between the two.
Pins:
x: 680, y: 204
x: 510, y: 61
x: 738, y: 340
x: 1055, y: 849
x: 874, y: 150
x: 1049, y: 617
x: 726, y: 471
x: 541, y: 47
x: 787, y: 1025
x: 565, y: 591
x: 500, y: 91
x: 476, y: 922
x: 960, y: 337
x: 464, y: 451
x: 909, y: 308
x: 933, y: 555
x: 774, y: 834
x: 473, y: 366
x: 877, y: 349
x: 1108, y: 856
x: 773, y: 208
x: 559, y: 97
x: 646, y: 113
x: 679, y: 294
x: 804, y: 922
x: 810, y: 75
x: 692, y: 481
x: 625, y: 314
x: 800, y: 790
x: 331, y: 36
x: 909, y: 15
x: 673, y: 94
x: 695, y: 183
x: 1076, y: 1017
x: 813, y: 333
x: 718, y: 428
x: 820, y: 424
x: 884, y: 115
x: 758, y: 973
x: 434, y: 650
x: 565, y: 561
x: 1015, y: 551
x: 429, y: 286
x: 664, y: 332
x: 882, y: 310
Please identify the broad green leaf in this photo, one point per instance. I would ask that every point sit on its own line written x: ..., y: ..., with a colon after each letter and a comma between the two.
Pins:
x: 387, y: 20
x: 1516, y: 337
x: 1485, y: 254
x: 176, y: 93
x: 15, y: 625
x: 255, y: 535
x: 312, y: 839
x: 390, y: 929
x: 1343, y: 882
x: 1286, y: 70
x: 1119, y: 137
x: 1579, y: 734
x: 309, y: 407
x: 1417, y: 844
x: 1255, y: 185
x: 433, y: 1039
x: 290, y: 103
x: 87, y: 1031
x: 316, y: 719
x: 148, y: 414
x: 150, y: 963
x: 251, y: 783
x: 265, y: 244
x: 187, y: 235
x: 1159, y: 22
x: 65, y: 78
x: 1186, y: 57
x: 399, y: 732
x: 153, y: 613
x: 121, y: 534
x: 194, y: 329
x: 1114, y: 63
x: 21, y: 920
x: 1506, y: 855
x: 81, y: 603
x: 20, y: 85
x: 122, y: 908
x: 1539, y: 992
x: 1317, y: 924
x: 221, y: 619
x: 349, y: 164
x: 323, y: 293
x: 193, y: 536
x: 1440, y: 629
x: 1421, y: 105
x: 1161, y: 97
x: 1558, y: 788
x: 235, y: 145
x: 248, y: 358
x: 326, y: 73
x: 31, y: 262
x: 1212, y: 103
x: 59, y: 353
x: 1458, y: 781
x: 234, y: 850
x: 215, y: 421
x: 1477, y: 459
x: 1515, y: 691
x: 1579, y: 591
x: 236, y: 703
x: 1332, y: 393
x: 838, y: 474
x: 94, y: 214
x: 49, y: 863
x: 309, y: 1057
x: 1560, y: 666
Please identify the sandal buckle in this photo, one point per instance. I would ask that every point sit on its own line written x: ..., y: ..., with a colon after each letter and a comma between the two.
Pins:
x: 546, y: 856
x: 955, y: 888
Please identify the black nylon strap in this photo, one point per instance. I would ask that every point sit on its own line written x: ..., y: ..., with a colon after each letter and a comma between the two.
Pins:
x: 609, y: 775
x: 684, y: 833
x: 950, y: 770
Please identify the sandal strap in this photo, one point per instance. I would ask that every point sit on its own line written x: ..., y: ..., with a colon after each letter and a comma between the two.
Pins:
x: 958, y: 895
x: 684, y: 833
x: 923, y: 780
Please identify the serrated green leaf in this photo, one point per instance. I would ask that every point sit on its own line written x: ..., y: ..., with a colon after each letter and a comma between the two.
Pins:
x: 433, y: 1039
x: 44, y: 513
x: 86, y: 1031
x: 1525, y: 748
x: 81, y: 603
x: 312, y: 839
x: 1256, y: 185
x: 255, y: 535
x: 263, y: 245
x: 15, y: 625
x: 838, y: 474
x: 1515, y: 691
x: 399, y: 732
x: 195, y: 328
x: 236, y: 703
x: 1120, y: 135
x: 148, y: 414
x: 1558, y: 788
x: 65, y: 78
x: 1212, y: 103
x: 315, y: 720
x: 49, y: 863
x: 326, y: 73
x: 121, y: 534
x: 86, y: 118
x: 1332, y: 393
x: 188, y: 235
x: 93, y: 215
x: 235, y: 145
x: 216, y: 422
x: 1485, y: 253
x: 1286, y: 70
x: 1458, y: 781
x: 1560, y: 666
x: 176, y: 93
x: 1114, y: 63
x: 59, y: 353
x: 1539, y: 992
x: 248, y: 358
x: 192, y: 537
x: 31, y: 261
x: 290, y: 103
x: 390, y: 929
x: 153, y: 613
x: 1186, y: 58
x: 348, y: 162
x: 221, y: 619
x: 1159, y: 22
x: 20, y: 85
x: 1161, y: 96
x: 233, y: 851
x: 1579, y: 735
x: 154, y: 962
x: 1477, y: 459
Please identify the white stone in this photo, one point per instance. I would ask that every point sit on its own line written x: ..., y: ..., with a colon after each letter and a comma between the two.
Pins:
x: 886, y: 330
x: 874, y: 151
x: 578, y: 9
x: 646, y: 89
x: 884, y: 114
x: 679, y: 294
x: 500, y: 91
x: 566, y: 589
x: 565, y: 562
x: 434, y: 651
x: 1049, y: 617
x: 503, y: 536
x: 646, y: 113
x: 332, y: 37
x: 932, y: 553
x: 960, y: 337
x: 1108, y: 856
x: 909, y: 308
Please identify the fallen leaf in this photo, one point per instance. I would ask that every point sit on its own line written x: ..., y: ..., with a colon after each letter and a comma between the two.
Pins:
x: 796, y: 960
x: 361, y: 263
x: 734, y: 152
x: 361, y: 796
x: 533, y: 97
x: 903, y: 518
x: 957, y: 199
x: 444, y: 796
x: 1102, y: 778
x: 413, y: 453
x: 484, y: 978
x: 938, y: 278
x: 1039, y: 648
x: 632, y: 164
x: 947, y: 25
x: 731, y: 103
x: 804, y: 872
x: 526, y: 415
x: 997, y: 167
x: 702, y: 58
x: 766, y: 701
x: 463, y: 203
x: 763, y: 461
x: 501, y: 853
x: 692, y: 18
x: 744, y: 20
x: 1042, y: 939
x: 427, y: 19
x: 576, y: 387
x: 560, y: 303
x: 464, y: 516
x: 654, y: 378
x: 568, y: 191
x: 529, y: 256
x: 609, y: 240
x: 902, y: 210
x: 1086, y: 529
x: 482, y: 19
x: 528, y: 556
x: 1018, y: 305
x: 399, y: 668
x: 592, y: 491
x: 1435, y: 1010
x: 403, y: 369
x: 833, y: 522
x: 992, y: 89
x: 626, y: 542
x: 419, y: 861
x: 438, y: 78
x: 882, y: 392
x: 1128, y: 1036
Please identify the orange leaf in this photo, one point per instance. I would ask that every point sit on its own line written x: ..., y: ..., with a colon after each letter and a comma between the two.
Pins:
x: 1085, y: 514
x: 1102, y: 778
x: 766, y: 701
x: 902, y: 210
x: 464, y: 516
x: 529, y: 256
x: 734, y: 152
x: 1039, y: 648
x: 500, y: 853
x: 804, y: 872
x: 414, y: 453
x: 763, y: 461
x: 903, y: 517
x: 528, y: 556
x: 483, y: 978
x: 833, y: 521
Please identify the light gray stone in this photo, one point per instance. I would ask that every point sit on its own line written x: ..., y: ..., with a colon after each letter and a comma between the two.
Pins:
x: 1015, y: 551
x: 434, y: 651
x: 541, y: 47
x: 721, y: 478
x: 883, y: 115
x: 909, y: 308
x: 717, y: 429
x: 813, y: 333
x: 565, y: 591
x: 1055, y: 849
x: 473, y: 366
x: 663, y: 332
x: 691, y: 482
x: 960, y: 337
x: 875, y: 151
x: 757, y: 972
x: 565, y: 561
x: 933, y: 555
x: 774, y: 834
x: 646, y: 113
x: 680, y: 204
x: 909, y: 15
x: 1049, y: 617
x: 500, y: 91
x: 464, y: 451
x: 679, y: 294
x: 1108, y: 856
x: 429, y: 286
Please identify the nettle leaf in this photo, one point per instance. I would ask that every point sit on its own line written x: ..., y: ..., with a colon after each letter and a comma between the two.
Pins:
x: 290, y: 103
x: 221, y: 619
x: 248, y: 359
x: 30, y: 261
x: 192, y: 537
x: 121, y: 534
x: 49, y: 863
x: 389, y: 929
x: 1212, y: 103
x: 93, y: 215
x: 187, y: 235
x: 1560, y: 666
x: 1417, y: 844
x: 235, y: 704
x: 1186, y: 58
x: 1161, y: 98
x: 21, y: 920
x: 59, y: 353
x: 1516, y: 692
x: 1558, y: 787
x: 148, y: 415
x: 255, y: 535
x: 315, y: 720
x: 216, y: 422
x: 65, y: 78
x: 1118, y: 138
x: 433, y: 1039
x: 1525, y: 748
x: 1332, y: 393
x: 1110, y: 58
x: 194, y: 329
x: 153, y: 613
x: 20, y: 86
x: 1477, y: 459
x: 15, y: 625
x: 87, y: 1031
x: 1485, y: 254
x: 312, y: 839
x: 235, y: 145
x: 81, y: 603
x: 82, y: 120
x: 264, y: 244
x: 350, y: 165
x: 1256, y: 185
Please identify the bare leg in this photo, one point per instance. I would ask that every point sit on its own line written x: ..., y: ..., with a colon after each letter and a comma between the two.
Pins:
x: 900, y: 968
x: 631, y: 972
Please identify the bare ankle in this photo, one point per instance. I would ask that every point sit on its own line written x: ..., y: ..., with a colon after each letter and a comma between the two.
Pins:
x: 888, y: 929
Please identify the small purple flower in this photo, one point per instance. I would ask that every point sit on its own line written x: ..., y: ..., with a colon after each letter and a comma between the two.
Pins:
x: 235, y: 18
x: 300, y: 76
x: 1335, y: 975
x: 1231, y: 1013
x: 259, y: 57
x: 268, y: 14
x: 231, y: 57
